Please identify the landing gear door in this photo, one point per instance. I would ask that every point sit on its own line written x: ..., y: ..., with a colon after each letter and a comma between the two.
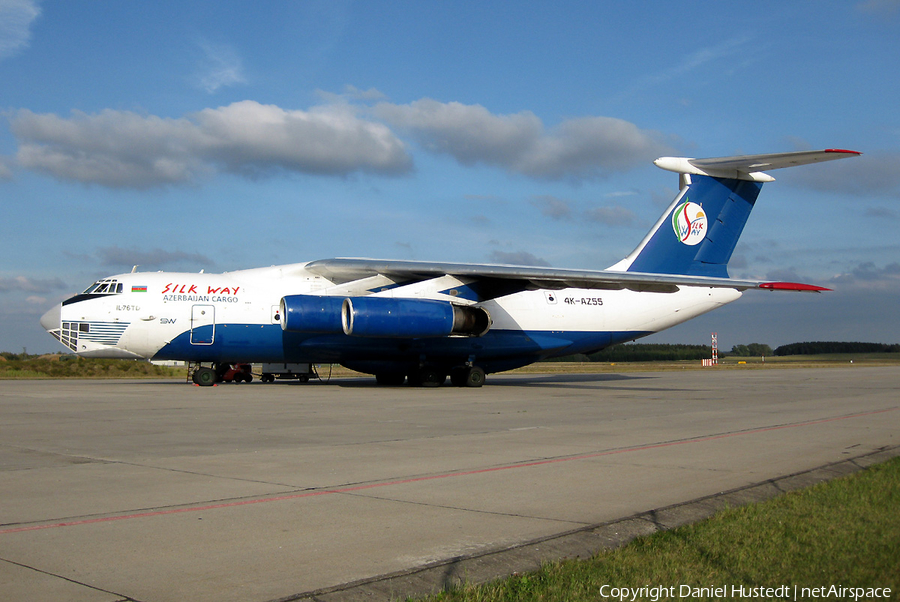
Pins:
x: 203, y: 324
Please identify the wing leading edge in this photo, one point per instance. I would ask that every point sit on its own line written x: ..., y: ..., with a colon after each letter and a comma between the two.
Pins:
x: 509, y: 279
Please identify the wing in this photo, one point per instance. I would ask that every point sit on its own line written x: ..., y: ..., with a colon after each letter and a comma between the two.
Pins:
x: 493, y: 280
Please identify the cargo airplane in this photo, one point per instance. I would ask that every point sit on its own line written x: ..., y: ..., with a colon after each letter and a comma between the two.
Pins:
x: 422, y: 321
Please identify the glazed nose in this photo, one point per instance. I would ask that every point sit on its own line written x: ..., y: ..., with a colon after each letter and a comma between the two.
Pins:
x: 50, y: 320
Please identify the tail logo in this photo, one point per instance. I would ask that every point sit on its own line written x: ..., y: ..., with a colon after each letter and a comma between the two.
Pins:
x: 689, y: 222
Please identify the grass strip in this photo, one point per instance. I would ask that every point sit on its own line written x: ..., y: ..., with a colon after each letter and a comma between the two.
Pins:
x: 843, y: 533
x: 54, y: 366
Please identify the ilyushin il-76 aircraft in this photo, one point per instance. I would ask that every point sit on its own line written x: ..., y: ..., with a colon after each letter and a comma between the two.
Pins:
x: 422, y: 321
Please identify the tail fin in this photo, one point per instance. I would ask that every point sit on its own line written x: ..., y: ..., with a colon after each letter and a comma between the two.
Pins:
x: 698, y: 232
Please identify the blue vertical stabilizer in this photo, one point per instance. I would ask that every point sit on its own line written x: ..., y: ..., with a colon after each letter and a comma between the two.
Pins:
x: 698, y: 233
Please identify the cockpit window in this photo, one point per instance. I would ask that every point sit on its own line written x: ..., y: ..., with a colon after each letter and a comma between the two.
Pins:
x: 106, y: 286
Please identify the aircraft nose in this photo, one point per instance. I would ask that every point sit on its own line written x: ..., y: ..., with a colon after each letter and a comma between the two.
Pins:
x: 51, y: 319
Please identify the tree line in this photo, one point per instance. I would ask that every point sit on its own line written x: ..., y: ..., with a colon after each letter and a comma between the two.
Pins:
x: 663, y: 352
x: 824, y: 347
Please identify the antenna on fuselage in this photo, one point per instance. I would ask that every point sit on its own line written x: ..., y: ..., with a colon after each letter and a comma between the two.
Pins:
x: 134, y: 269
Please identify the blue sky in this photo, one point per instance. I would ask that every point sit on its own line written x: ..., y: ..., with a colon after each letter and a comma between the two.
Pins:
x: 229, y: 135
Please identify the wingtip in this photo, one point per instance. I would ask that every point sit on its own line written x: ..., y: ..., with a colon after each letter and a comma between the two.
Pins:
x: 793, y: 286
x: 842, y: 151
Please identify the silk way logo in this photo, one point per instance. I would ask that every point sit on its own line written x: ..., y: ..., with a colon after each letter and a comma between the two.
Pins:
x: 689, y: 221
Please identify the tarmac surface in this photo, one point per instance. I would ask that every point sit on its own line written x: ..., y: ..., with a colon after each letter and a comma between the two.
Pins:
x: 159, y: 491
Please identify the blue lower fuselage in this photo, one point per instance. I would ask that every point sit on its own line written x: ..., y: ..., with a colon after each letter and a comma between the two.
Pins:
x: 496, y: 351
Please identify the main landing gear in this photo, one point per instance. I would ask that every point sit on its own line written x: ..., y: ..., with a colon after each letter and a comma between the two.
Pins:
x: 467, y: 376
x: 434, y: 376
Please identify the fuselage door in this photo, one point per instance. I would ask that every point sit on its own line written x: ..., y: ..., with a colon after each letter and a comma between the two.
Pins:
x: 203, y: 324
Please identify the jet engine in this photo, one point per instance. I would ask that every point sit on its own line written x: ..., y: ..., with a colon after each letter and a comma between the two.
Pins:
x: 411, y: 318
x: 310, y: 313
x: 381, y: 317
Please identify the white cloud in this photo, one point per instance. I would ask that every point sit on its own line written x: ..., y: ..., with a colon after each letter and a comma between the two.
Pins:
x: 880, y: 8
x: 5, y: 171
x: 156, y: 258
x: 881, y: 213
x: 220, y: 67
x: 16, y: 17
x: 122, y: 149
x: 112, y: 148
x: 364, y: 95
x: 581, y: 148
x: 611, y: 216
x: 552, y: 207
x: 470, y: 133
x: 250, y: 138
x: 875, y: 174
x: 517, y: 258
x: 30, y: 285
x: 867, y: 275
x: 725, y: 55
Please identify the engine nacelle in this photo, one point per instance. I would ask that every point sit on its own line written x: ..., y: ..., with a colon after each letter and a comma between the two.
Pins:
x: 311, y: 313
x: 411, y: 318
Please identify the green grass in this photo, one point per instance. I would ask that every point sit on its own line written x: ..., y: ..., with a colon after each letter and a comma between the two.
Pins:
x: 55, y: 366
x: 14, y: 373
x: 725, y: 363
x: 845, y: 532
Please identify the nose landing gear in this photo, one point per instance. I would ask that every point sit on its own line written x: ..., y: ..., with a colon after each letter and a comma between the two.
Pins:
x: 205, y: 377
x: 208, y: 376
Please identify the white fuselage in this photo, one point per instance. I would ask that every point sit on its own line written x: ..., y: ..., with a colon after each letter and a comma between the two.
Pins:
x: 234, y: 317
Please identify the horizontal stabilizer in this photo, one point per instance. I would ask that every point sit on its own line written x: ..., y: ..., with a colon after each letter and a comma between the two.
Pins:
x: 749, y: 167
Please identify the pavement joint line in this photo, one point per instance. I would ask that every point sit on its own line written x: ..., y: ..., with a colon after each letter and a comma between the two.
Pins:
x: 461, y: 509
x: 495, y: 564
x: 94, y: 460
x: 200, y: 474
x: 122, y: 597
x: 419, y: 479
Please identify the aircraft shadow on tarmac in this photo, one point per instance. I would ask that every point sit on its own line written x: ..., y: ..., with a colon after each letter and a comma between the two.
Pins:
x: 504, y: 380
x: 517, y: 380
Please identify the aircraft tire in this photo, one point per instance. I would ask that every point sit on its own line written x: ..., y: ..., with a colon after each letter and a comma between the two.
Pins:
x: 474, y: 377
x: 427, y: 376
x: 433, y: 377
x: 205, y: 377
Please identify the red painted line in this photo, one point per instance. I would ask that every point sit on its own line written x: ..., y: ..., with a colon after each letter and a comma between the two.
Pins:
x: 356, y: 488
